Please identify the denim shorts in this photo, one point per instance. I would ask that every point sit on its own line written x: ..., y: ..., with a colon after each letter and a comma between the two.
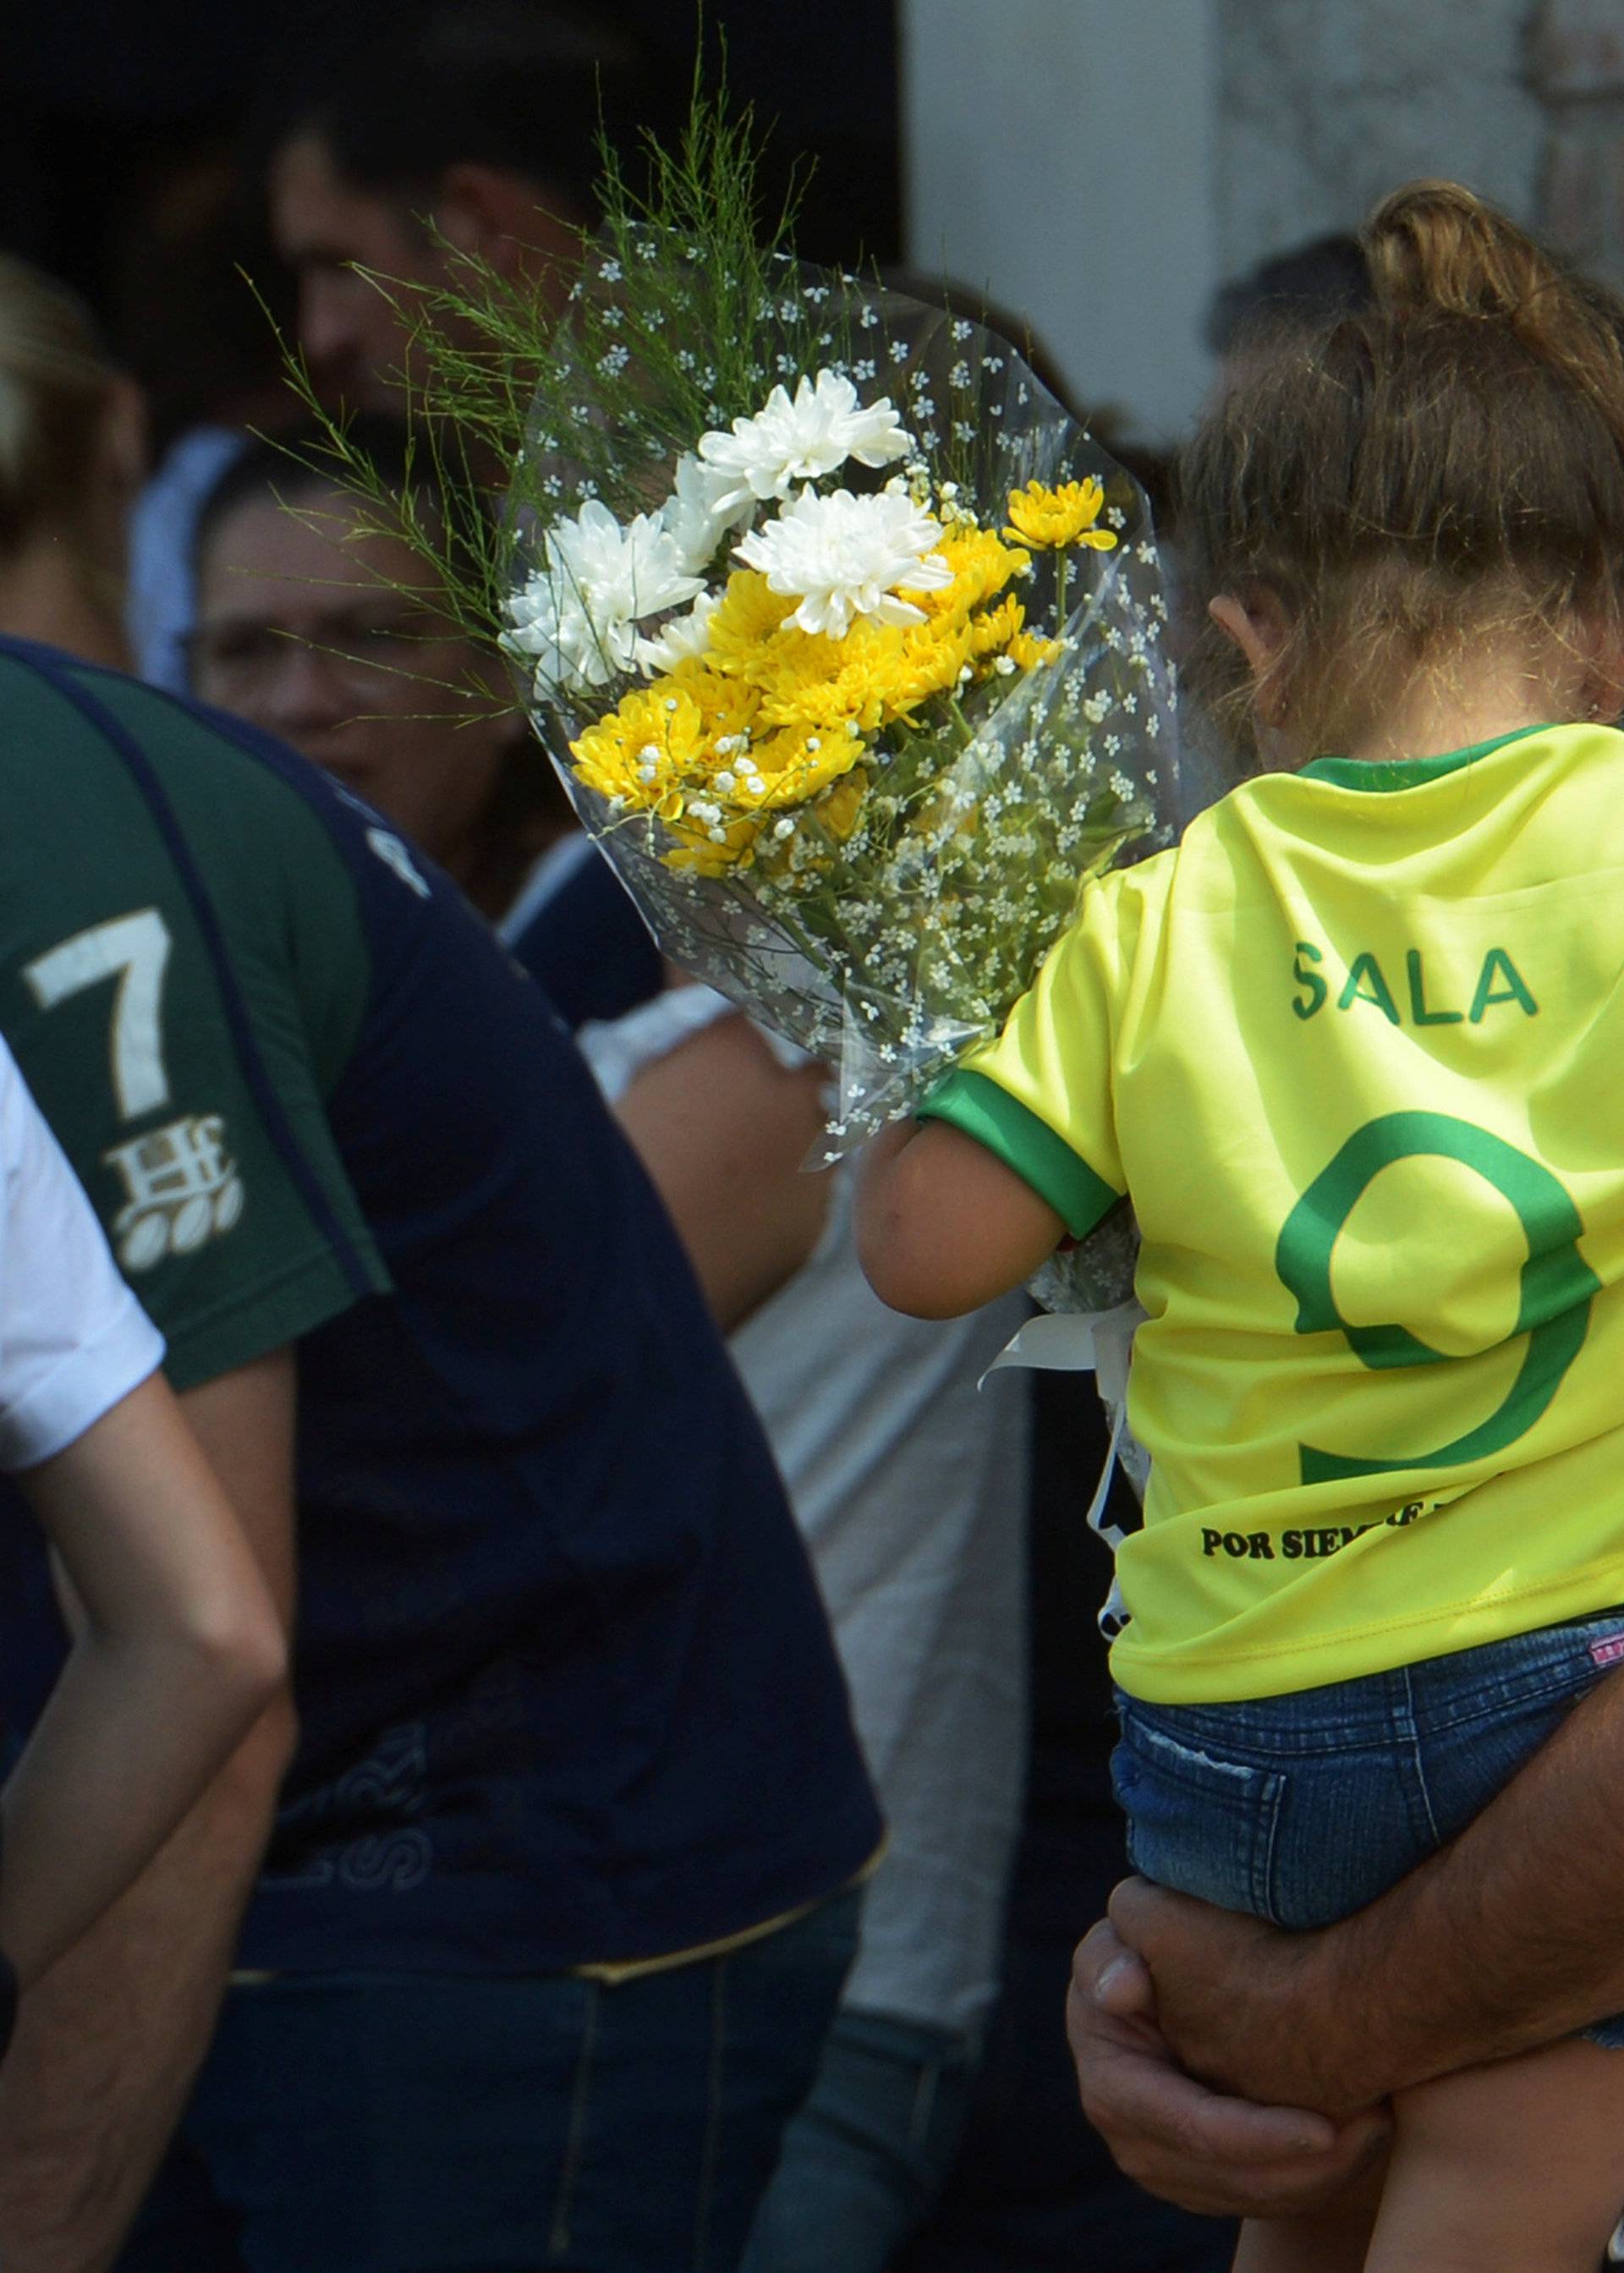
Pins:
x: 1301, y: 1809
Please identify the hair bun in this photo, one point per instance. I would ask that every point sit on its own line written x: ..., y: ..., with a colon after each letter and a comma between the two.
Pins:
x: 1435, y: 246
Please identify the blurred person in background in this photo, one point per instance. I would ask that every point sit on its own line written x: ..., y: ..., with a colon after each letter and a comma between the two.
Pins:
x: 71, y: 456
x: 202, y: 343
x: 327, y: 640
x: 439, y: 130
x: 322, y: 633
x: 1307, y: 283
x: 909, y: 1485
x: 561, y: 1888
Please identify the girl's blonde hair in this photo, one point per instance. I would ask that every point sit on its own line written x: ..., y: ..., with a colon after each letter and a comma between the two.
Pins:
x: 1443, y: 464
x: 54, y: 386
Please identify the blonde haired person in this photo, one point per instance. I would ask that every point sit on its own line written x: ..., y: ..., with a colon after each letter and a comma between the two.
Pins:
x: 71, y: 450
x: 1353, y: 1046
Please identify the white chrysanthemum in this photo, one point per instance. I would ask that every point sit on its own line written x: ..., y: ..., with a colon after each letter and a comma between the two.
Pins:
x: 696, y: 522
x: 682, y: 640
x: 848, y: 555
x: 801, y: 440
x: 577, y: 614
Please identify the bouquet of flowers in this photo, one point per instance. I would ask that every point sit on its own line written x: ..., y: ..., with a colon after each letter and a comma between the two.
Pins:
x: 847, y: 640
x: 866, y: 688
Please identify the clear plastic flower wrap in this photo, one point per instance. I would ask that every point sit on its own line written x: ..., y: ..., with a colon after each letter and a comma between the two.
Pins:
x: 867, y: 688
x: 847, y: 640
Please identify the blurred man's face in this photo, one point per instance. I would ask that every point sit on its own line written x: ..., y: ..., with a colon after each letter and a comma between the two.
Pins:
x: 322, y: 223
x: 301, y: 633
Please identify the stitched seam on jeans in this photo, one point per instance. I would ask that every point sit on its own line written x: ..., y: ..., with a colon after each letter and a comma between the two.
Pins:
x: 1415, y: 1753
x: 713, y: 2112
x: 1265, y: 1840
x: 558, y: 2238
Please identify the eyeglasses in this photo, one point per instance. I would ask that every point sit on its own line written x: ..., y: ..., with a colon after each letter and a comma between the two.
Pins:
x: 231, y: 663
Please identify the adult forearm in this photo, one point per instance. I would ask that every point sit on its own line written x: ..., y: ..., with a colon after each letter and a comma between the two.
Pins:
x: 1513, y: 1933
x: 84, y: 1812
x: 109, y: 2040
x: 1508, y: 1937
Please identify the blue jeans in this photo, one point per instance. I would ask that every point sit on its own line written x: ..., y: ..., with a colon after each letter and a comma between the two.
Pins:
x: 867, y: 2155
x: 1300, y: 1809
x: 399, y: 2124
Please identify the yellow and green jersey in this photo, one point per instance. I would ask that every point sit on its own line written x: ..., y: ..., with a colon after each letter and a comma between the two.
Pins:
x: 1355, y: 1047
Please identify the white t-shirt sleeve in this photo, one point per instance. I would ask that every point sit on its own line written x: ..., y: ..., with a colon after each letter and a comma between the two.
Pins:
x: 73, y: 1338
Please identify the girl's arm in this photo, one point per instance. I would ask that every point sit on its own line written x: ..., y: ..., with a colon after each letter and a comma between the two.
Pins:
x: 943, y: 1226
x: 179, y: 1650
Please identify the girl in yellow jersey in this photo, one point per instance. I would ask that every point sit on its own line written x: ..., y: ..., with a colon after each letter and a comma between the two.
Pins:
x: 1356, y: 1048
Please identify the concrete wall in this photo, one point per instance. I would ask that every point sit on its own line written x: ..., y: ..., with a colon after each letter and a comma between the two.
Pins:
x: 1099, y: 166
x: 1058, y: 157
x: 1327, y: 104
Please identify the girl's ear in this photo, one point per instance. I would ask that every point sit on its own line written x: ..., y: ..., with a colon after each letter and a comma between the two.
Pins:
x: 1257, y: 625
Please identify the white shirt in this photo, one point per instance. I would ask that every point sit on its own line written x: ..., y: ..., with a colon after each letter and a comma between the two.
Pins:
x: 74, y: 1339
x: 909, y: 1486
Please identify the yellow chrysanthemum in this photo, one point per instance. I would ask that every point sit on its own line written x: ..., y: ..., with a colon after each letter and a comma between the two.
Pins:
x: 1026, y: 650
x: 646, y: 750
x: 749, y: 615
x: 993, y: 629
x: 880, y: 672
x: 698, y: 852
x: 876, y: 673
x: 821, y: 684
x: 933, y: 661
x: 726, y: 705
x: 982, y: 565
x: 796, y: 765
x: 1054, y: 518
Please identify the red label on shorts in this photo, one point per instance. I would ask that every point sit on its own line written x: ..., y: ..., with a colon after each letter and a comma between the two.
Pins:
x: 1608, y: 1652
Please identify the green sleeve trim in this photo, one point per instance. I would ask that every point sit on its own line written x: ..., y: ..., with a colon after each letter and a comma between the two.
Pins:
x: 972, y: 1102
x: 267, y: 1316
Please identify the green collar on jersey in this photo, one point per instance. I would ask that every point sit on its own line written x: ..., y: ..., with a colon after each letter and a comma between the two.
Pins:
x: 1405, y: 773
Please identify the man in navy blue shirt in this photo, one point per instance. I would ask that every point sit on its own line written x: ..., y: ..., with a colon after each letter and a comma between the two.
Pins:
x: 556, y: 1905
